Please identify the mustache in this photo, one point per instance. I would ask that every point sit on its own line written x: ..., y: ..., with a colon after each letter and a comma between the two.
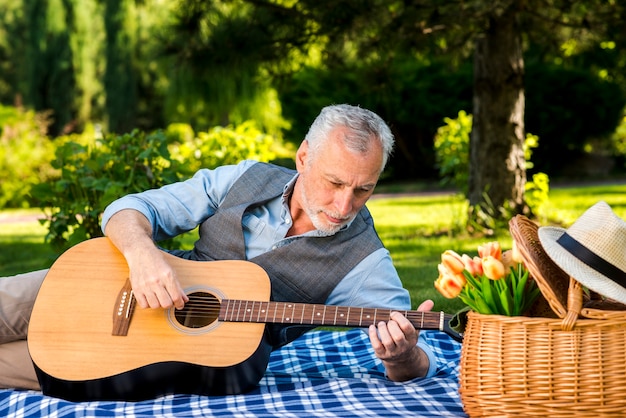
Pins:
x: 337, y: 216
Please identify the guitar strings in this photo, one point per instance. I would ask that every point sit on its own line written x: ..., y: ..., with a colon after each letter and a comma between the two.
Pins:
x: 202, y: 306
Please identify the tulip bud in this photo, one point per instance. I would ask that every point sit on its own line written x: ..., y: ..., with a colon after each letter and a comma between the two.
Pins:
x: 517, y: 256
x: 507, y: 260
x: 450, y: 285
x: 452, y: 261
x: 472, y: 265
x: 493, y: 268
x: 490, y: 249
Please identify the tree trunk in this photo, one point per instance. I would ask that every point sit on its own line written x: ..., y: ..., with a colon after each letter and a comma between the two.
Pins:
x: 497, y: 166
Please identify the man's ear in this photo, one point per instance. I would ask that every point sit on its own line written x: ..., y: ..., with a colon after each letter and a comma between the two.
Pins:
x: 301, y: 155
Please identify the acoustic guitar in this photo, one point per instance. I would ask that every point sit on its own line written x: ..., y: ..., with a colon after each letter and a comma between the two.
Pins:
x: 88, y: 342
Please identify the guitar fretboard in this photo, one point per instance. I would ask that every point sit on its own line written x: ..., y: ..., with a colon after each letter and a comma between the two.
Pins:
x: 318, y: 315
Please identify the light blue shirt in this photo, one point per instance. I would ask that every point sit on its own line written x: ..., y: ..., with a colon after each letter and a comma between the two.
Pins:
x: 181, y: 207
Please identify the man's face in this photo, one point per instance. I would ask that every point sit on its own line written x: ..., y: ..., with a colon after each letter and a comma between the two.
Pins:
x: 335, y: 181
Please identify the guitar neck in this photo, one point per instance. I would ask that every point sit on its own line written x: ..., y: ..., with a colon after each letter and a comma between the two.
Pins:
x: 321, y: 315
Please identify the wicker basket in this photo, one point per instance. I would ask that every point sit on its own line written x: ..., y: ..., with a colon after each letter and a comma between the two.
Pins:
x: 571, y: 365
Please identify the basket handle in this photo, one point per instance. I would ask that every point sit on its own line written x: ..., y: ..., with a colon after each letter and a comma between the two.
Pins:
x: 574, y: 304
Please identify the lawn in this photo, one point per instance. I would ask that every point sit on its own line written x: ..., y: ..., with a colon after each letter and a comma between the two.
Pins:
x: 415, y: 229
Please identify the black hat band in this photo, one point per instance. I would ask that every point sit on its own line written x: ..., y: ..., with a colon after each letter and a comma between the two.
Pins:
x: 591, y: 259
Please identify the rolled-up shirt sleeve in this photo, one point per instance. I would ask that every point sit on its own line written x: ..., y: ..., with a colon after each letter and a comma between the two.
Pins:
x: 180, y: 207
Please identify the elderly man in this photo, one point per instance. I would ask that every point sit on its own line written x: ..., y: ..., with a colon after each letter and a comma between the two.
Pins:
x: 309, y: 229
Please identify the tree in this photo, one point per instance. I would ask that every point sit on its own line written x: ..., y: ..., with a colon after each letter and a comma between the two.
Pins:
x: 120, y: 79
x: 49, y: 65
x: 497, y: 173
x: 497, y: 166
x: 12, y: 42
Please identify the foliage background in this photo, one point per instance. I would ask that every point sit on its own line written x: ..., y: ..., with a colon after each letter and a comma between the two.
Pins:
x: 129, y: 64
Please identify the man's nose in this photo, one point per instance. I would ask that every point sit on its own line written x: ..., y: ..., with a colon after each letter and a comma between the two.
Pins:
x: 344, y: 201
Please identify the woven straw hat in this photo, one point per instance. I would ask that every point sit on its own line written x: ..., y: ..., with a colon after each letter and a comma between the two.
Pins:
x: 592, y: 250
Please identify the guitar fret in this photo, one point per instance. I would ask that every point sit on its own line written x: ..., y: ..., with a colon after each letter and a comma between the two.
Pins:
x: 266, y: 310
x: 244, y: 310
x: 373, y: 319
x: 250, y: 311
x: 227, y: 315
x: 275, y: 308
x: 287, y: 318
x: 232, y: 309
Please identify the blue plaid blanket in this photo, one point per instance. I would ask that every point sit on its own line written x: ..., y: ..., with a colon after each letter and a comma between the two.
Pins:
x: 321, y: 374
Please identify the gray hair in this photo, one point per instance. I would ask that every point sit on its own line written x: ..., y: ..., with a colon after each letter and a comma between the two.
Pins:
x: 362, y: 123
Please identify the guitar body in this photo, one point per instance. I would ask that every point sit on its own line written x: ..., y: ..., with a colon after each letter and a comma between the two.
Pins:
x: 78, y: 358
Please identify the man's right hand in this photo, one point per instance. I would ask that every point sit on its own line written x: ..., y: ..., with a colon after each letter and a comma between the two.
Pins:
x: 153, y: 280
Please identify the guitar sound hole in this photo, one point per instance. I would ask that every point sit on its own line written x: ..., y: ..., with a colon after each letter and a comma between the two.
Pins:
x: 201, y: 310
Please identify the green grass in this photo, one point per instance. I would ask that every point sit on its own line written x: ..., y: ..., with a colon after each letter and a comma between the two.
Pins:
x: 416, y: 230
x: 22, y: 246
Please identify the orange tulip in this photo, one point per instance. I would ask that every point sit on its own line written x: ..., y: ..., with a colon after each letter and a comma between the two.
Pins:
x: 452, y: 261
x: 490, y: 249
x: 493, y: 268
x: 450, y: 285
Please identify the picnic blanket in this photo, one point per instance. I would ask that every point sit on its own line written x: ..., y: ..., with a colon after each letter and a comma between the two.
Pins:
x: 321, y: 374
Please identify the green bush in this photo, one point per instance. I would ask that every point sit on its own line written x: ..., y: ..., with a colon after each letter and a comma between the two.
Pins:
x: 25, y: 152
x: 95, y: 172
x: 221, y: 145
x: 452, y: 151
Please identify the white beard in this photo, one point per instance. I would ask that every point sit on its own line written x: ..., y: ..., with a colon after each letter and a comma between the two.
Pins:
x: 317, y: 220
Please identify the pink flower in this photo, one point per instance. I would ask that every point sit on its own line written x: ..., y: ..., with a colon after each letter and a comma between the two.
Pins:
x: 473, y: 265
x: 491, y: 248
x: 493, y: 268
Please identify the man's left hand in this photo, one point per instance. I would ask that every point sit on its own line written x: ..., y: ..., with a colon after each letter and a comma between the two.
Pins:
x: 395, y: 343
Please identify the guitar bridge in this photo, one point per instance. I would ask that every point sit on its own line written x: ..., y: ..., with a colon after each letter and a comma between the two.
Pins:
x: 123, y: 310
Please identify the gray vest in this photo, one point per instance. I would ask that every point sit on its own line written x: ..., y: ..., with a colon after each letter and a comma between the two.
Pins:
x: 321, y: 261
